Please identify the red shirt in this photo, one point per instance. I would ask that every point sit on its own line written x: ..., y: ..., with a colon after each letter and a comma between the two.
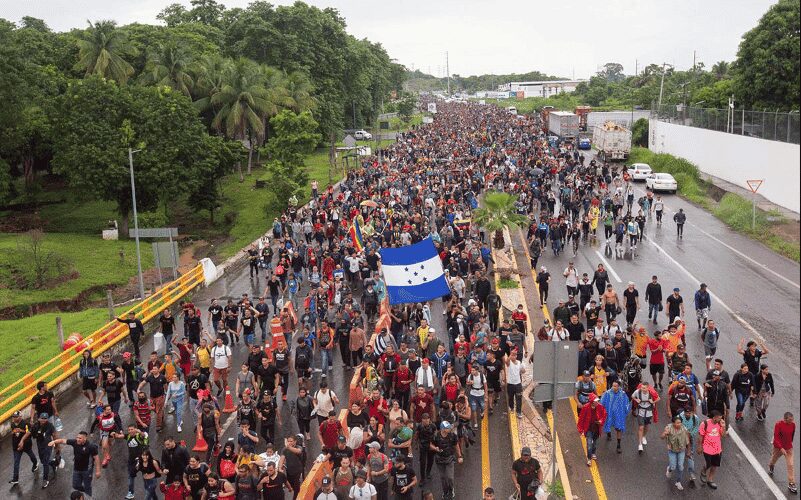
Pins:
x: 403, y: 380
x: 329, y: 432
x: 375, y: 407
x: 658, y: 357
x: 783, y: 433
x: 422, y: 405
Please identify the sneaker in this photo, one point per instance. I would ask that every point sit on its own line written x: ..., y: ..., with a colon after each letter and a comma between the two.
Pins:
x: 130, y: 495
x: 35, y: 467
x: 519, y: 415
x: 179, y: 428
x: 644, y: 441
x: 171, y: 410
x: 13, y: 482
x: 793, y: 488
x: 45, y: 484
x: 770, y: 470
x: 667, y: 472
x: 712, y: 485
x: 639, y: 448
x: 679, y: 486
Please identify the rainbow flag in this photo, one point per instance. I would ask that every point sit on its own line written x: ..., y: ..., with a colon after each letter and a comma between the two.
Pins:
x: 355, y: 233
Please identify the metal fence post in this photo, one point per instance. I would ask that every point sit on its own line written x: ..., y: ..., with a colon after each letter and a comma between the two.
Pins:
x: 60, y: 331
x: 110, y: 302
x: 742, y: 124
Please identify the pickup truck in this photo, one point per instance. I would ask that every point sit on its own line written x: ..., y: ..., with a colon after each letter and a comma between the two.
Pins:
x: 362, y: 135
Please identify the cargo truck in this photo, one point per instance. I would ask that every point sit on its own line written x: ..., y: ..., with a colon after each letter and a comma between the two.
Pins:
x: 612, y: 141
x: 563, y: 124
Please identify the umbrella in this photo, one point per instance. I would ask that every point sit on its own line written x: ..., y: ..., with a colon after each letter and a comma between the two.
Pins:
x: 369, y: 203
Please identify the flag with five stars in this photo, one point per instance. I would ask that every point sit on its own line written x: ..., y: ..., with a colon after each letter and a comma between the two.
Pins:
x: 413, y: 273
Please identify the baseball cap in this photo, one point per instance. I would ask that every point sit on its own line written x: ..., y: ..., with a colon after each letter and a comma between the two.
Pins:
x: 526, y: 451
x: 426, y: 361
x: 326, y: 481
x: 44, y: 415
x: 16, y: 414
x: 676, y: 289
x: 586, y: 373
x: 374, y: 445
x: 126, y: 355
x: 716, y: 373
x: 444, y: 425
x: 342, y: 439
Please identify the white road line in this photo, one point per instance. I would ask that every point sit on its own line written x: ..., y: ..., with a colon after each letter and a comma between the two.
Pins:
x: 741, y: 254
x: 756, y: 465
x: 608, y: 266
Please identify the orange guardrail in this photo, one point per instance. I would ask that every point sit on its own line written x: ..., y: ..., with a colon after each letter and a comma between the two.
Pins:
x: 319, y: 470
x: 18, y: 395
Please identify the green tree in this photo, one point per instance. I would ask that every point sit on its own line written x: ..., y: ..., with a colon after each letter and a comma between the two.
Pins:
x: 101, y: 50
x: 406, y: 107
x: 639, y: 133
x: 721, y: 70
x: 294, y: 137
x: 613, y: 72
x: 169, y: 65
x: 767, y: 71
x: 498, y: 213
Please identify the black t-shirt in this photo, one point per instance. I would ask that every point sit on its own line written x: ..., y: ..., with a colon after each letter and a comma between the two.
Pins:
x: 273, y: 488
x: 674, y: 304
x: 42, y: 432
x: 268, y: 411
x: 193, y: 383
x: 107, y: 367
x: 526, y: 471
x: 402, y: 478
x: 43, y: 403
x: 156, y: 385
x: 447, y: 444
x: 631, y: 297
x: 752, y: 360
x: 338, y: 454
x: 494, y: 369
x: 18, y: 430
x: 113, y: 390
x: 292, y: 462
x: 196, y: 477
x: 83, y: 454
x: 266, y: 376
x: 275, y: 287
x: 167, y: 324
x: 216, y: 313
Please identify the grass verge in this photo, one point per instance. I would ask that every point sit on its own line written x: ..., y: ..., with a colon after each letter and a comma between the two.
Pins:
x: 97, y: 263
x: 17, y: 336
x: 734, y: 210
x: 508, y: 283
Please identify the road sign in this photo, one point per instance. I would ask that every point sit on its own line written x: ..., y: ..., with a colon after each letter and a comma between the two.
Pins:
x: 432, y: 107
x: 349, y: 141
x: 754, y: 184
x: 158, y: 232
x: 554, y: 361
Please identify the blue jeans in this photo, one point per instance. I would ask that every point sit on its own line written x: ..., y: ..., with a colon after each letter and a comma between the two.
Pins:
x: 131, y: 476
x: 690, y: 461
x: 167, y: 345
x: 150, y: 489
x: 264, y: 329
x: 591, y: 439
x: 82, y: 481
x: 742, y: 398
x: 18, y: 459
x: 178, y: 404
x: 326, y: 360
x: 653, y: 311
x: 192, y: 413
x: 676, y: 463
x: 45, y: 452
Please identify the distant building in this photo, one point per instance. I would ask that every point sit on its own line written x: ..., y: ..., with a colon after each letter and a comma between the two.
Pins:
x: 541, y: 88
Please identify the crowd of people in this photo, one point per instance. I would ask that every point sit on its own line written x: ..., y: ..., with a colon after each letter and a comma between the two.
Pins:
x: 421, y: 392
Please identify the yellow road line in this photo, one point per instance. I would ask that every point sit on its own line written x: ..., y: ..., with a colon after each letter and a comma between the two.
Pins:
x: 486, y: 479
x: 596, y: 474
x: 560, y: 459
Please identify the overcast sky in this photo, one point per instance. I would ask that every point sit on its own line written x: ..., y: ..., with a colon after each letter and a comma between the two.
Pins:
x: 559, y: 37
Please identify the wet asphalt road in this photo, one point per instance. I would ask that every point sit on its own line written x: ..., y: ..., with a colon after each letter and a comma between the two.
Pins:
x: 114, y: 481
x: 757, y: 295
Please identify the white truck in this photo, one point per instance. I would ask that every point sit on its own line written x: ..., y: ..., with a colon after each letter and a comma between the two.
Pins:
x: 563, y: 124
x: 612, y: 141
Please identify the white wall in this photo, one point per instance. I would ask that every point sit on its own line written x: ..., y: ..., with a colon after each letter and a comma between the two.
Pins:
x: 735, y: 158
x: 619, y: 117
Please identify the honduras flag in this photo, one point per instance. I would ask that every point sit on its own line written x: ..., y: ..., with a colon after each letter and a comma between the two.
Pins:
x: 413, y: 273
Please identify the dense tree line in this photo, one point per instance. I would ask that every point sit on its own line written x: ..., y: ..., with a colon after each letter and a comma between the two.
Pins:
x: 198, y: 96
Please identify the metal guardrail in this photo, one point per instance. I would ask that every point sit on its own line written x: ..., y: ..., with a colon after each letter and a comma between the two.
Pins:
x: 18, y: 395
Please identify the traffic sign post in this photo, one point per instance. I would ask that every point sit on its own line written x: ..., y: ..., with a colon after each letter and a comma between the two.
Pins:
x: 754, y: 185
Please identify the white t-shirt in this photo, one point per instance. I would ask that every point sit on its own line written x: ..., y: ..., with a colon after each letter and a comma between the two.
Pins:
x: 366, y: 491
x: 325, y: 402
x: 513, y: 372
x: 220, y: 355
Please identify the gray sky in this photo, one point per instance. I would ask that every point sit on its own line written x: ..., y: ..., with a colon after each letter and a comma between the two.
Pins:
x: 561, y: 37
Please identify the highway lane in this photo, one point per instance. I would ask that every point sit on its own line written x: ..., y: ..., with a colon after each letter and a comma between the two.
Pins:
x: 113, y: 482
x: 749, y: 292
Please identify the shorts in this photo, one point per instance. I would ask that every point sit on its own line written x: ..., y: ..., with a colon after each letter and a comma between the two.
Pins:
x: 89, y: 384
x: 702, y: 313
x: 657, y: 368
x: 712, y: 460
x: 476, y: 402
x: 220, y: 374
x: 643, y: 362
x: 494, y: 385
x: 709, y: 352
x: 643, y: 420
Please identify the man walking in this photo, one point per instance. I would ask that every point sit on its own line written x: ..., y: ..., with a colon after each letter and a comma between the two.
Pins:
x: 86, y: 460
x: 680, y: 218
x: 703, y: 303
x: 653, y: 295
x: 135, y: 330
x: 21, y: 442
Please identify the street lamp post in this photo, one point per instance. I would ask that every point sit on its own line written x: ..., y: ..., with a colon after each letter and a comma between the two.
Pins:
x: 136, y: 224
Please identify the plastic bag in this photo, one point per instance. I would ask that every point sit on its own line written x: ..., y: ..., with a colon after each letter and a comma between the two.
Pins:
x: 158, y: 341
x: 58, y: 424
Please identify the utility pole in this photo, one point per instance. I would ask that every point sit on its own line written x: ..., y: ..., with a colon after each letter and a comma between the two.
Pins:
x: 448, y: 72
x: 636, y: 67
x: 661, y: 88
x: 136, y: 226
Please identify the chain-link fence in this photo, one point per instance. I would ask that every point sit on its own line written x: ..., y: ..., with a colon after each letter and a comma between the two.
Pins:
x: 773, y: 126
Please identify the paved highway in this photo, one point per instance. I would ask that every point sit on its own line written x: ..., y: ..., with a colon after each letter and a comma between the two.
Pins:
x: 755, y: 295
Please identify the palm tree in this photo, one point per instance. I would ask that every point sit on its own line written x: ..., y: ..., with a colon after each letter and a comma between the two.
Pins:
x: 169, y: 65
x: 100, y: 51
x: 209, y: 74
x: 299, y: 88
x: 720, y: 69
x: 497, y: 214
x: 242, y: 103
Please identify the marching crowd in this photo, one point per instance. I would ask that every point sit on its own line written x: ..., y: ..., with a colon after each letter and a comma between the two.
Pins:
x: 421, y: 393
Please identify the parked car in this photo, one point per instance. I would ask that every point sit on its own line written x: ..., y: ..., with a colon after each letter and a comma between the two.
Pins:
x: 362, y: 135
x: 585, y: 143
x: 639, y: 171
x: 661, y: 182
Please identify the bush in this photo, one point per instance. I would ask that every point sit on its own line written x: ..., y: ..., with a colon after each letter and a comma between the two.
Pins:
x: 639, y: 133
x: 152, y: 219
x: 737, y: 212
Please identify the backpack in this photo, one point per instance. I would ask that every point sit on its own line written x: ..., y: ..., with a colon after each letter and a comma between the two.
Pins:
x: 301, y: 358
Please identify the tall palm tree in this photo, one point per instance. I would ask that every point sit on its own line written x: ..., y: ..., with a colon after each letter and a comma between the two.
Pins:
x: 169, y: 65
x: 720, y: 69
x: 299, y: 88
x: 101, y: 49
x: 242, y: 103
x: 497, y: 214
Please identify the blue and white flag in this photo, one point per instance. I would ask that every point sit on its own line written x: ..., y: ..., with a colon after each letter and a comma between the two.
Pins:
x: 413, y: 273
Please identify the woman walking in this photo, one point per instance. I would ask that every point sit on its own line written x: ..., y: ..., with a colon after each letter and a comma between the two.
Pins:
x: 677, y: 439
x: 764, y: 390
x: 150, y: 469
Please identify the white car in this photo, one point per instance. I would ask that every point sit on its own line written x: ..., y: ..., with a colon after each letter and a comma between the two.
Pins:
x: 661, y: 182
x: 362, y: 135
x: 639, y: 171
